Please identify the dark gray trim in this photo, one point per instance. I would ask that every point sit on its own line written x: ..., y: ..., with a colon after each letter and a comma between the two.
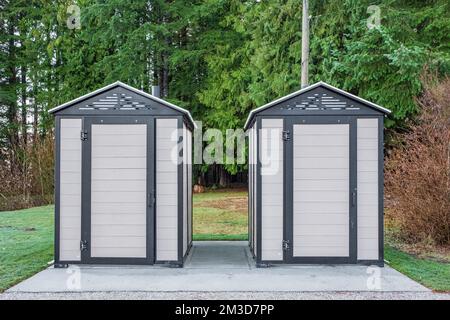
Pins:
x: 258, y: 228
x: 288, y: 156
x: 379, y: 263
x: 151, y: 190
x: 353, y: 190
x: 289, y: 172
x: 381, y: 190
x: 86, y: 191
x: 57, y: 188
x: 180, y: 189
x: 60, y: 265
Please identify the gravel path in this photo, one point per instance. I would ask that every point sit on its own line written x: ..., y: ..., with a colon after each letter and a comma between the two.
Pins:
x: 227, y: 296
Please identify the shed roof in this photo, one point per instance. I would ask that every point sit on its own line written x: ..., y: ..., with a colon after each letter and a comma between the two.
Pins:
x: 311, y: 87
x: 123, y: 85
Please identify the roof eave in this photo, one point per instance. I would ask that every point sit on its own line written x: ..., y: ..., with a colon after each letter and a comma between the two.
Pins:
x: 123, y: 85
x: 313, y: 86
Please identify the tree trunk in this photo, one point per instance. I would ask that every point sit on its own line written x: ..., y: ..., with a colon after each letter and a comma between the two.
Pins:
x: 24, y: 105
x: 224, y: 180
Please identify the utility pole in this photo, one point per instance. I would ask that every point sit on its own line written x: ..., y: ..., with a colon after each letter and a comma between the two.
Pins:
x: 305, y: 44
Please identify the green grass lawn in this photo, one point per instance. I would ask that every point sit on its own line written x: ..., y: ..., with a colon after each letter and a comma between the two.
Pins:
x: 26, y: 243
x: 430, y: 273
x: 26, y: 239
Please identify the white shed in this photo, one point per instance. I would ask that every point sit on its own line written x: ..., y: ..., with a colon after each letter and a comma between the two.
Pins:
x: 123, y: 179
x: 316, y: 179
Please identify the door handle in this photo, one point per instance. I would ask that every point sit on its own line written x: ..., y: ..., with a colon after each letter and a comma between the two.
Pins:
x: 151, y: 199
x: 354, y: 195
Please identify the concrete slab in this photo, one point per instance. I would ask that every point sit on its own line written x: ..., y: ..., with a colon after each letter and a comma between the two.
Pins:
x: 217, y: 267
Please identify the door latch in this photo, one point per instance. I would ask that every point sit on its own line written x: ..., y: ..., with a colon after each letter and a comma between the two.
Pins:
x: 83, y: 245
x: 286, y: 135
x: 83, y: 135
x: 286, y: 245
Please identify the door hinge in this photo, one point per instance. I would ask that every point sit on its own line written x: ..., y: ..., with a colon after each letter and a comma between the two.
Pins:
x: 83, y: 245
x: 286, y: 245
x: 83, y: 135
x: 286, y: 135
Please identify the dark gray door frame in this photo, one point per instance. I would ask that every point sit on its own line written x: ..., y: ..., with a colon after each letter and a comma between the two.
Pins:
x: 86, y: 189
x: 288, y: 174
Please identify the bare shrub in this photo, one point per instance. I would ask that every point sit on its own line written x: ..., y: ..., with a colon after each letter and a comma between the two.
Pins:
x: 26, y: 175
x: 418, y: 171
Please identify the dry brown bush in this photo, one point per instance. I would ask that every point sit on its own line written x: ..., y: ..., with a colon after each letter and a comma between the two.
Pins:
x: 418, y: 171
x: 26, y: 175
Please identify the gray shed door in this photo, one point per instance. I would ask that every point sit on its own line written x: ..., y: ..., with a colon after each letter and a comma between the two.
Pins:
x: 321, y: 214
x: 118, y: 191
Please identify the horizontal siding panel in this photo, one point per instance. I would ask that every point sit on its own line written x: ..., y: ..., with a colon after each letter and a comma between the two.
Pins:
x: 123, y: 152
x: 321, y: 207
x: 322, y: 163
x: 320, y: 229
x: 367, y: 144
x: 273, y: 244
x: 272, y: 184
x: 73, y: 166
x: 119, y: 141
x: 272, y: 200
x: 118, y: 242
x: 166, y: 166
x: 120, y: 163
x: 167, y: 134
x: 326, y: 196
x: 70, y: 245
x: 368, y: 227
x: 70, y: 255
x: 321, y: 190
x: 124, y: 209
x: 73, y: 212
x: 119, y: 129
x: 321, y: 218
x: 320, y: 152
x: 167, y: 222
x: 321, y: 129
x: 119, y: 186
x: 71, y: 200
x: 321, y: 251
x: 71, y: 155
x: 117, y: 219
x: 273, y: 210
x: 322, y: 140
x: 70, y: 145
x: 319, y: 174
x: 73, y: 189
x: 118, y: 197
x: 128, y: 230
x: 71, y: 234
x: 124, y: 174
x: 167, y: 255
x: 332, y: 241
x: 119, y: 252
x: 321, y: 185
x: 71, y: 177
x: 169, y: 244
x: 272, y: 255
x: 272, y: 223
